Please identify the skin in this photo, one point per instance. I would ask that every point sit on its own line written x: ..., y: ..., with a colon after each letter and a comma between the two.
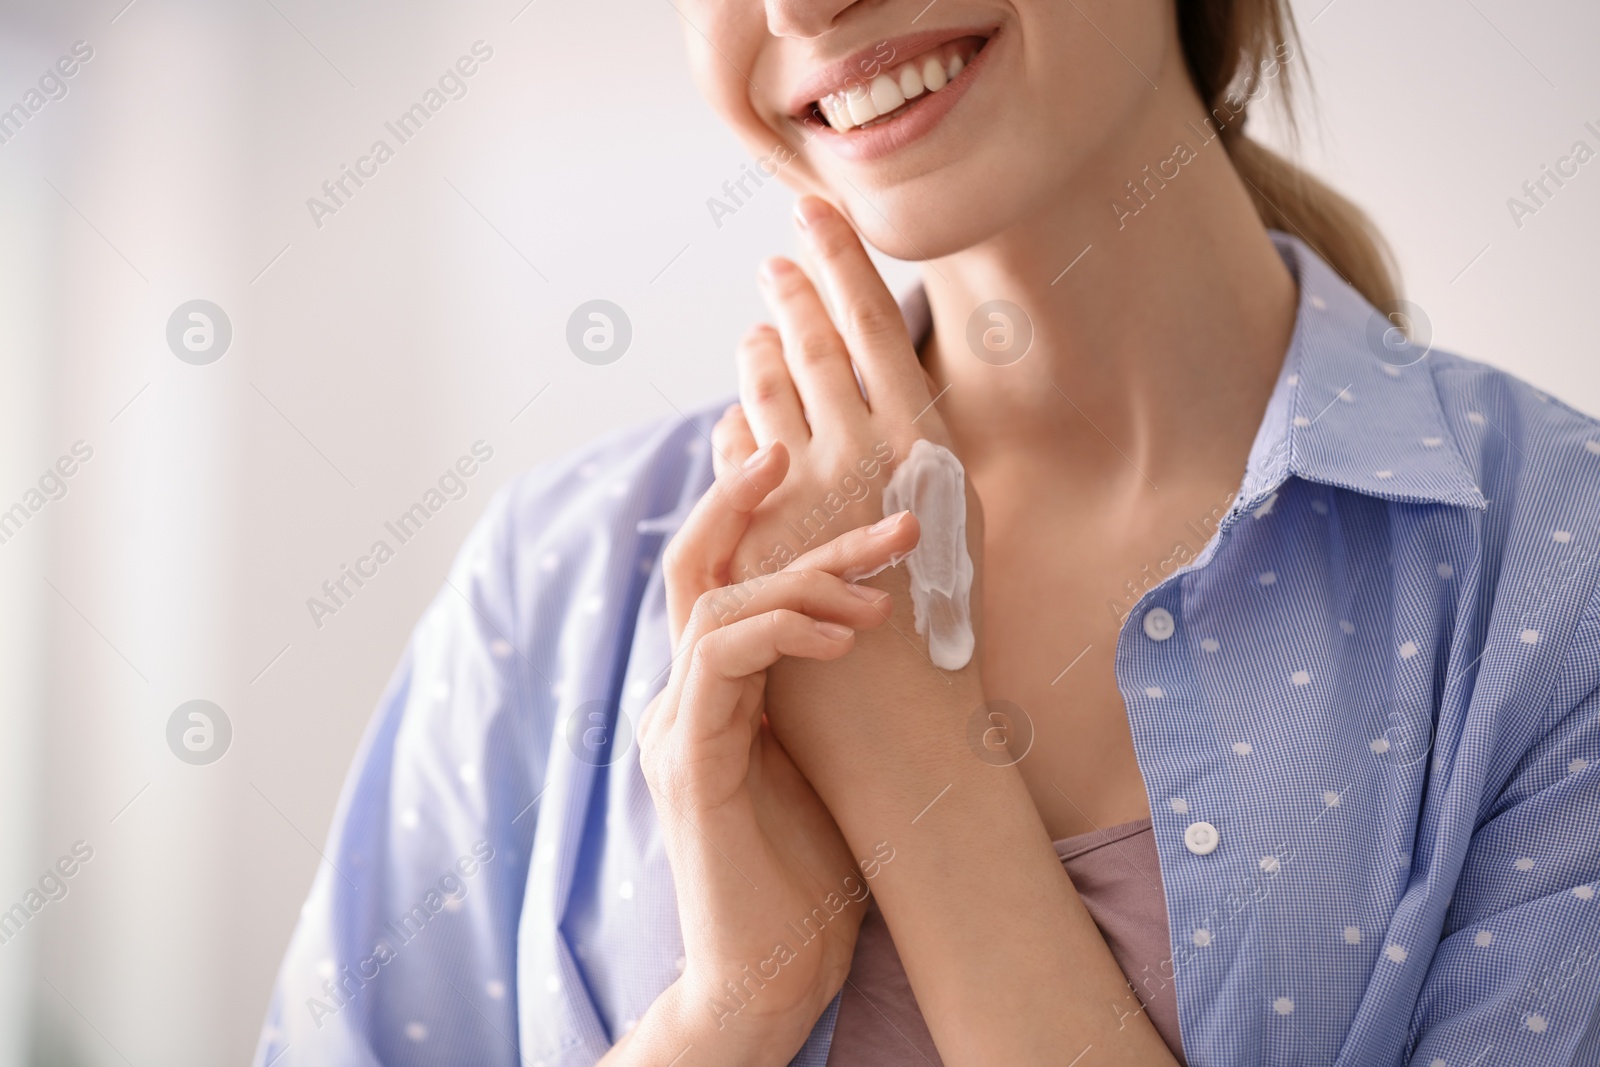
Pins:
x: 1130, y: 418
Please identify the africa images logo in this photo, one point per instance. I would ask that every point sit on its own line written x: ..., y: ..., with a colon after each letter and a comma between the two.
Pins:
x: 199, y: 732
x: 199, y: 332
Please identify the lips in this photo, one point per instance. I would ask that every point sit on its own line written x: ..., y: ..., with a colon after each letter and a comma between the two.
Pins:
x: 864, y: 103
x: 882, y: 83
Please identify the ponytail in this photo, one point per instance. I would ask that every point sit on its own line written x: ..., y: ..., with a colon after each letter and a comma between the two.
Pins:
x: 1235, y: 50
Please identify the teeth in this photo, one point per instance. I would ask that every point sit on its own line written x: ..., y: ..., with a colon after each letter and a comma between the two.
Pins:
x: 911, y: 82
x: 859, y: 105
x: 836, y: 113
x: 886, y: 94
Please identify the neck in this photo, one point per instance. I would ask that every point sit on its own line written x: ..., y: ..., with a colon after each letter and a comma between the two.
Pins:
x: 1159, y: 325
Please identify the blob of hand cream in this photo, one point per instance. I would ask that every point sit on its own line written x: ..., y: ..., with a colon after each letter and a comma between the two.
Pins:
x: 931, y: 484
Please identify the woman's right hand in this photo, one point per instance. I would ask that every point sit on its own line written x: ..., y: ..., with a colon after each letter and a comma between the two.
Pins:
x: 754, y: 852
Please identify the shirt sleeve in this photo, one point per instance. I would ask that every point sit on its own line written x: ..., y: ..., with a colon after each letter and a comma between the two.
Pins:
x: 1516, y: 978
x: 403, y: 951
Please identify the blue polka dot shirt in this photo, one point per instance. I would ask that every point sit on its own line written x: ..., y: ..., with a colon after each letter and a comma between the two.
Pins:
x: 1364, y: 694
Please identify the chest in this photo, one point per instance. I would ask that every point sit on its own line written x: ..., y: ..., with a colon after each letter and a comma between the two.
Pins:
x: 1304, y: 717
x: 1057, y: 591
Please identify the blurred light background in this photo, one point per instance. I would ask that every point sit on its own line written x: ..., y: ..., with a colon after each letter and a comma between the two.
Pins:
x: 370, y: 351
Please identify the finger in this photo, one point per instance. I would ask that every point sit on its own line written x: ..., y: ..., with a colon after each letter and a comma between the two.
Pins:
x: 817, y: 358
x: 723, y: 659
x: 766, y: 391
x: 697, y: 558
x: 874, y: 330
x: 815, y: 593
x: 731, y: 441
x: 863, y: 552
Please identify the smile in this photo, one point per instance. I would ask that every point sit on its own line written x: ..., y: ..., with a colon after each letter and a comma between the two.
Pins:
x: 864, y: 104
x: 877, y: 101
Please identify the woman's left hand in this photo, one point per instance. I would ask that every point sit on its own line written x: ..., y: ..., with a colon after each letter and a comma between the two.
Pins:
x: 798, y: 386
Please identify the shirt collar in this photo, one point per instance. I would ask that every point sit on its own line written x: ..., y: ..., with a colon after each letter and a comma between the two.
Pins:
x: 1351, y: 408
x: 1348, y: 410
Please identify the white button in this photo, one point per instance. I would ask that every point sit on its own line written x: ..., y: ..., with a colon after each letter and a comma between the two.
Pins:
x: 1158, y: 625
x: 1200, y: 838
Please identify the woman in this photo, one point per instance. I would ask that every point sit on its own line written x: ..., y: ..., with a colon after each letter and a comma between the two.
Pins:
x: 1298, y: 768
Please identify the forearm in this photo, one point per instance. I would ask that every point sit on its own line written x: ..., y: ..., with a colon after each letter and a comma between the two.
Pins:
x: 1005, y: 961
x: 680, y: 1029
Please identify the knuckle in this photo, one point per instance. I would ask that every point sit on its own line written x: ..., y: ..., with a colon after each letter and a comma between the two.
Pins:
x: 660, y: 774
x: 779, y: 622
x: 807, y: 580
x: 650, y: 746
x: 647, y: 760
x: 677, y: 561
x: 817, y: 348
x: 707, y: 613
x: 683, y: 561
x: 802, y: 580
x: 873, y: 320
x: 705, y: 657
x: 764, y: 387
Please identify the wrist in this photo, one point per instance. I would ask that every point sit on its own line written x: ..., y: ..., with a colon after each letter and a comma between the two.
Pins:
x: 689, y: 1015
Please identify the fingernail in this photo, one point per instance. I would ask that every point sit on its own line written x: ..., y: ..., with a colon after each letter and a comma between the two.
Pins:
x: 871, y: 595
x: 885, y: 525
x: 809, y: 210
x: 775, y: 268
x: 757, y: 458
x: 833, y: 631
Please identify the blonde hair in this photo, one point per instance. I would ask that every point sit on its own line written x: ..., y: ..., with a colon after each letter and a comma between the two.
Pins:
x: 1235, y: 50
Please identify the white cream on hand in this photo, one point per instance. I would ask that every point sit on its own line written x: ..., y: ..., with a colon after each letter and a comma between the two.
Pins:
x: 931, y: 484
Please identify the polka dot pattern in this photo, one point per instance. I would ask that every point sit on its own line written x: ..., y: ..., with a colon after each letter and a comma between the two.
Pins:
x: 1366, y: 639
x: 1356, y: 658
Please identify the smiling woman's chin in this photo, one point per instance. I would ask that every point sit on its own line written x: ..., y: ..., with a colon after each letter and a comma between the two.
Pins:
x: 931, y: 215
x: 911, y: 232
